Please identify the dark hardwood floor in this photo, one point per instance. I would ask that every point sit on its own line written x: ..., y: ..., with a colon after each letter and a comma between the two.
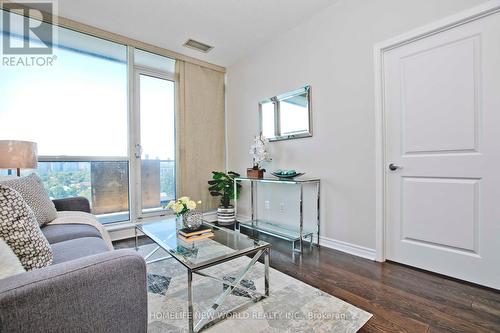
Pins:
x: 401, y: 298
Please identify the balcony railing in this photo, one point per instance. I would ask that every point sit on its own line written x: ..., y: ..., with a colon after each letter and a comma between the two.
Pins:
x: 105, y: 183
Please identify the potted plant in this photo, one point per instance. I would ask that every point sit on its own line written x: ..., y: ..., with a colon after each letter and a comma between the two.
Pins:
x: 259, y: 154
x: 222, y: 185
x: 185, y: 207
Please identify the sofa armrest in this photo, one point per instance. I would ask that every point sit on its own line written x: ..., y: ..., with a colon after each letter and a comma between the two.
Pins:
x: 106, y: 292
x: 80, y: 204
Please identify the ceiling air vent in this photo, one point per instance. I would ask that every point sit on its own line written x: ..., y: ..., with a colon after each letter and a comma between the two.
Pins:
x: 198, y: 46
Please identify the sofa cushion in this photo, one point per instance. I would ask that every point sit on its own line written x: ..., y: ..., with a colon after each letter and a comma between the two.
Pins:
x: 78, y: 204
x: 62, y: 232
x: 78, y: 248
x: 20, y: 230
x: 32, y: 190
x: 73, y: 217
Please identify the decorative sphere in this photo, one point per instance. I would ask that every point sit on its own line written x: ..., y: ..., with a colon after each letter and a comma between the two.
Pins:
x: 192, y: 220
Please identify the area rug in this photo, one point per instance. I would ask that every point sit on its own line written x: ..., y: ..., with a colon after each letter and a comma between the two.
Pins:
x: 292, y: 306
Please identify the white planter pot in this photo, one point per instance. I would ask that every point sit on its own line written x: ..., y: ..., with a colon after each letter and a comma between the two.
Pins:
x: 226, y: 216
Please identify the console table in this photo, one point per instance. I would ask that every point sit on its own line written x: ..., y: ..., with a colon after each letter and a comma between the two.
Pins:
x: 295, y: 235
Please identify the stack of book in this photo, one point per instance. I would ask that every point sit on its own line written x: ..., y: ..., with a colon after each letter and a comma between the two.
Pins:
x: 189, y: 235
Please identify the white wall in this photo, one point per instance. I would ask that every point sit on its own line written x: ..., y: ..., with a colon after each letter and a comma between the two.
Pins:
x: 333, y: 52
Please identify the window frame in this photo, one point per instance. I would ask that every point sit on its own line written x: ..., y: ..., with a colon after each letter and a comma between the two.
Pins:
x: 136, y: 71
x: 131, y: 44
x: 133, y: 72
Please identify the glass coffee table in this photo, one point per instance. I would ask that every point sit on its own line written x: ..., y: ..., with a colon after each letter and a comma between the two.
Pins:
x: 224, y: 246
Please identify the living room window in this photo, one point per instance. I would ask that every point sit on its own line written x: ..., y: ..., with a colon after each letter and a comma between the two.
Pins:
x: 77, y: 110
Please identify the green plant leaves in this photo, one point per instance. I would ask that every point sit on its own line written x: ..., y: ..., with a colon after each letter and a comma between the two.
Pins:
x: 222, y: 185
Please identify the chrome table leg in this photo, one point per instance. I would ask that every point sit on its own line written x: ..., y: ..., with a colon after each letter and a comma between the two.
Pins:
x: 190, y: 301
x: 209, y: 318
x: 136, y: 240
x: 266, y: 271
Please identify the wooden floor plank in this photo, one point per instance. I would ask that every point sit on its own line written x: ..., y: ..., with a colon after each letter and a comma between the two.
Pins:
x: 452, y: 302
x: 397, y: 300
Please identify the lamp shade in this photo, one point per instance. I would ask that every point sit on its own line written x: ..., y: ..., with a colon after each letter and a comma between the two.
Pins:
x: 18, y: 154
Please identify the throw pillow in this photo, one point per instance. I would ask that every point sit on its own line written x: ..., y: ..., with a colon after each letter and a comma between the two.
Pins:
x: 32, y: 190
x: 20, y: 230
x: 9, y: 262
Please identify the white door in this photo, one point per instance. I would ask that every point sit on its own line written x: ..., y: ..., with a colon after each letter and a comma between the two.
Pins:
x: 442, y: 109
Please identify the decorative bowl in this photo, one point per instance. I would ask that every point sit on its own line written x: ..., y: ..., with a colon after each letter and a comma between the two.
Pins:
x: 287, y: 176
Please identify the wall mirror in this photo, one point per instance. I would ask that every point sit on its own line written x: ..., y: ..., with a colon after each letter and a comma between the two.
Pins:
x: 287, y: 116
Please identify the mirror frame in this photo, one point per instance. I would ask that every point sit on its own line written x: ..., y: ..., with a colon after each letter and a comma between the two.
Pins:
x: 275, y: 100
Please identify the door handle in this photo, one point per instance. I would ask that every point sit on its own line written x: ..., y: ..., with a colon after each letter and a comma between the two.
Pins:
x: 394, y: 167
x: 138, y: 151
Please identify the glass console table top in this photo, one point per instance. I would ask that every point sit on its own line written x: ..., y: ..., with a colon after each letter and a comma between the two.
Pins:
x: 298, y: 180
x: 194, y: 255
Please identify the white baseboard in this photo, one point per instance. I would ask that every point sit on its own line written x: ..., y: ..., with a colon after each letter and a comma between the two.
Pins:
x: 122, y: 234
x: 356, y: 250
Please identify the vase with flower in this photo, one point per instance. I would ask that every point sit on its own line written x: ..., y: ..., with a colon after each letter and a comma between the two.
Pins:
x: 185, y: 209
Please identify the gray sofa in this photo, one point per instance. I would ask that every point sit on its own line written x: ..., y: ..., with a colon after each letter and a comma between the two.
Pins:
x: 87, y: 289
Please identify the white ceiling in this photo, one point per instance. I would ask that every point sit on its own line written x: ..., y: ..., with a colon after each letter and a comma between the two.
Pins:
x: 234, y: 27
